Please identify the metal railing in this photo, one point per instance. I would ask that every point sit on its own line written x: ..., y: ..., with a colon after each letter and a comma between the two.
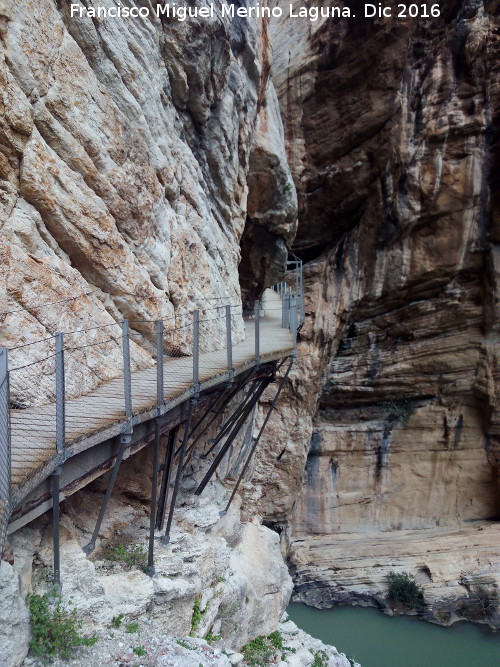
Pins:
x: 5, y: 457
x: 47, y: 385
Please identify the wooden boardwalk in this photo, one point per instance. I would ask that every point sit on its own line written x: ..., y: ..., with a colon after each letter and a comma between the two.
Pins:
x: 99, y: 415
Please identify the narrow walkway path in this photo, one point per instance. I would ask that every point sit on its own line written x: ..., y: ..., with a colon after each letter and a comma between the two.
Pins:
x: 99, y: 415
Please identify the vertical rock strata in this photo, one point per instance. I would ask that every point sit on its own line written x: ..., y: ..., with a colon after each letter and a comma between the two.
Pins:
x: 392, y: 136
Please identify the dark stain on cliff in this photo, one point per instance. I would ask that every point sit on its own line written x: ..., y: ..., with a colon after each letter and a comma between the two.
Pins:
x: 382, y: 452
x: 458, y: 432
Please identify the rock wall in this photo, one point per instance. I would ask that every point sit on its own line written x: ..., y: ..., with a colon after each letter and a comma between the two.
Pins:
x: 133, y: 154
x: 143, y: 175
x: 392, y: 136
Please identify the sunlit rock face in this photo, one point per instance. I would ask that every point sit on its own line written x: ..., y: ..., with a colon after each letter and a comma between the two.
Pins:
x: 132, y: 156
x: 392, y: 137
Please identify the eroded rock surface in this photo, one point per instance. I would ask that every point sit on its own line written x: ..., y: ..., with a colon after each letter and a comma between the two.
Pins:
x: 133, y: 153
x: 392, y: 136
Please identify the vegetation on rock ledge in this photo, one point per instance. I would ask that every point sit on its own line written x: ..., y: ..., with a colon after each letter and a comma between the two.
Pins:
x: 55, y: 628
x: 262, y: 650
x: 404, y: 589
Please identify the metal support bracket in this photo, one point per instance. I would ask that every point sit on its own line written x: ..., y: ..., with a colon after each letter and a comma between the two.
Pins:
x: 154, y: 491
x: 55, y: 527
x: 125, y: 441
x: 254, y: 446
x: 187, y: 427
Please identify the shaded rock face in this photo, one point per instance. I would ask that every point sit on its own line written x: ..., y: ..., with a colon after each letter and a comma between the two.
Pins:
x: 132, y: 157
x: 392, y: 137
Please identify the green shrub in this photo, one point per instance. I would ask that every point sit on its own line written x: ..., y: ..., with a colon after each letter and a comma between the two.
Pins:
x: 210, y: 637
x: 320, y: 659
x: 197, y: 615
x: 258, y: 652
x: 116, y: 621
x: 399, y: 409
x: 405, y: 590
x: 132, y: 627
x: 55, y: 628
x: 132, y: 556
x: 140, y: 651
x: 262, y: 650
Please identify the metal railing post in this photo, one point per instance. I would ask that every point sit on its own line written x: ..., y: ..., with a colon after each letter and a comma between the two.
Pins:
x: 283, y: 318
x: 60, y: 394
x: 229, y: 342
x: 160, y: 390
x: 196, y: 350
x: 257, y: 331
x: 293, y: 321
x: 127, y: 378
x: 301, y: 295
x: 60, y: 441
x: 156, y: 445
x: 5, y: 447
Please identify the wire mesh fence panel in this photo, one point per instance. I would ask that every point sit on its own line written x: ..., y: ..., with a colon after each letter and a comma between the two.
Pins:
x: 100, y: 401
x: 213, y: 344
x: 4, y: 449
x: 33, y: 429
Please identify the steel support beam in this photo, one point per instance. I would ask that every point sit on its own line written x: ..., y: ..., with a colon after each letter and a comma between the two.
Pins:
x: 236, y: 429
x: 254, y: 446
x: 187, y: 426
x: 167, y: 474
x: 154, y: 493
x: 125, y: 440
x: 207, y: 411
x: 55, y: 528
x: 226, y: 427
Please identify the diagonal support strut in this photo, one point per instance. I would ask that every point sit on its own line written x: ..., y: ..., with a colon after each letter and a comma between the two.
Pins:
x: 187, y: 427
x: 254, y: 446
x: 236, y: 429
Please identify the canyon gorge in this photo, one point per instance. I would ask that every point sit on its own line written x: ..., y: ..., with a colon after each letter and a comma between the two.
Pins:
x: 150, y: 167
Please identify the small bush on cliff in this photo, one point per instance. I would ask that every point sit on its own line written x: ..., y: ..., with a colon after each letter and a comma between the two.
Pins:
x: 482, y: 602
x: 263, y: 650
x: 55, y: 628
x: 197, y: 614
x: 399, y: 409
x: 404, y: 589
x: 131, y: 556
x: 320, y: 659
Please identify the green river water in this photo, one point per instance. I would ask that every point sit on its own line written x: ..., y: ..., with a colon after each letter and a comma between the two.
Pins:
x: 376, y: 640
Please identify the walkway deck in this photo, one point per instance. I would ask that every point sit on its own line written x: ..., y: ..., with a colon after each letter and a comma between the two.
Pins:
x: 99, y: 415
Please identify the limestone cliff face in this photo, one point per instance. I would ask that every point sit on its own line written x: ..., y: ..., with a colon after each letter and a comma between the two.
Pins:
x: 143, y: 175
x: 132, y: 158
x: 392, y: 135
